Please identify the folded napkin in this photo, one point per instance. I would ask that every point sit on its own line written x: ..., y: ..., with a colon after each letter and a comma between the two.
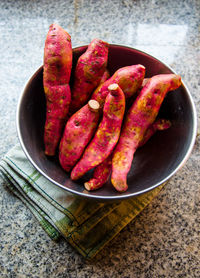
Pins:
x: 86, y: 225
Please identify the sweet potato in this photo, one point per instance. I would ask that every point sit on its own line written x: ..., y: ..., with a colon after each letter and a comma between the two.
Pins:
x: 101, y: 175
x: 57, y: 70
x: 102, y: 171
x: 78, y: 132
x: 107, y: 133
x: 160, y: 124
x: 104, y: 77
x: 89, y: 70
x: 140, y: 116
x: 128, y: 78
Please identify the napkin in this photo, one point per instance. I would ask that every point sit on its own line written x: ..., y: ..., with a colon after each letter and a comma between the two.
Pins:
x: 86, y: 225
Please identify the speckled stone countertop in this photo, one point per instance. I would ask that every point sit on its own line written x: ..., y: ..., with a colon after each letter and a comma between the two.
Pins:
x: 164, y: 240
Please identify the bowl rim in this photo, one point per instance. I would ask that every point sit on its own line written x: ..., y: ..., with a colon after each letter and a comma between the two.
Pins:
x: 117, y: 197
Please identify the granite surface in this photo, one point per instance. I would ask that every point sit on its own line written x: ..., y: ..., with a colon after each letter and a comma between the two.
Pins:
x: 163, y: 241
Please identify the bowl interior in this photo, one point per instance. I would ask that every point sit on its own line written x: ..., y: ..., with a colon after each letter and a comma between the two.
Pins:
x: 153, y: 163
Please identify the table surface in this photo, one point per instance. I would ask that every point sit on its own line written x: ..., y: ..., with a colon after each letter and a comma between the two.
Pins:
x: 163, y: 241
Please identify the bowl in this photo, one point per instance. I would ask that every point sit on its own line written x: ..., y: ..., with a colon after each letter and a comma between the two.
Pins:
x: 153, y: 164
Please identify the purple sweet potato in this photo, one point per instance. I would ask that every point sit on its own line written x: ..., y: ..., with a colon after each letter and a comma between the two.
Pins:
x: 89, y: 70
x: 128, y: 78
x: 57, y: 70
x: 107, y: 133
x: 140, y: 116
x: 78, y: 132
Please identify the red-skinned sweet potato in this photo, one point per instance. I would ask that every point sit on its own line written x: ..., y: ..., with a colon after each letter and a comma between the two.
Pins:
x: 107, y: 133
x: 57, y: 70
x: 102, y: 171
x: 140, y: 116
x: 128, y: 78
x: 104, y: 77
x: 160, y: 124
x: 78, y: 132
x: 101, y: 175
x: 89, y: 70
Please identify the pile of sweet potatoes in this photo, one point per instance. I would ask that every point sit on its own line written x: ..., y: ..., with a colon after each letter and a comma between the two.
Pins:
x: 88, y: 123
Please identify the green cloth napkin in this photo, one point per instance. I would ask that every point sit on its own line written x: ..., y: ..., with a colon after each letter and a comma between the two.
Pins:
x: 86, y: 225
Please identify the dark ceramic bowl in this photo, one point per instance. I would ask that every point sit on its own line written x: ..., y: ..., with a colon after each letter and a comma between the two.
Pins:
x: 153, y: 164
